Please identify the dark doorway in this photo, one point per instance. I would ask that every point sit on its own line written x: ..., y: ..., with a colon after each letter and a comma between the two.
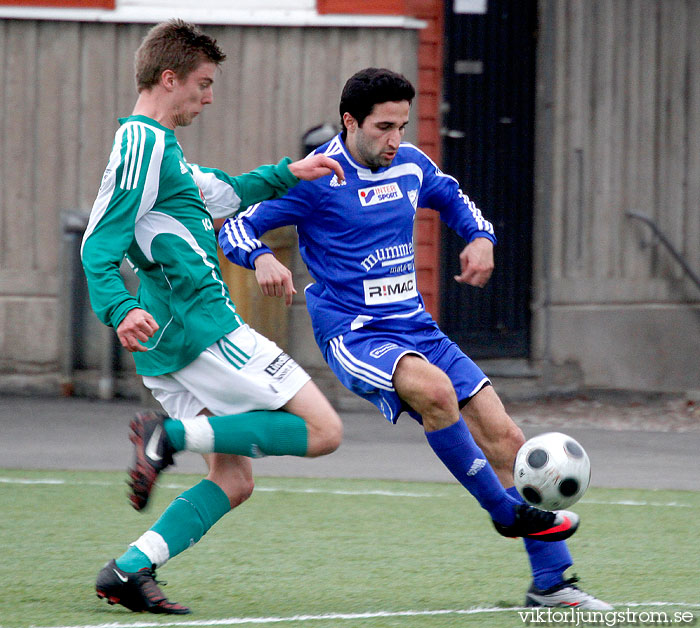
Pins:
x: 488, y: 145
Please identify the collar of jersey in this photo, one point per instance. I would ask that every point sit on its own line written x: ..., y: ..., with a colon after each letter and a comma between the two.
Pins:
x: 352, y: 162
x: 145, y: 120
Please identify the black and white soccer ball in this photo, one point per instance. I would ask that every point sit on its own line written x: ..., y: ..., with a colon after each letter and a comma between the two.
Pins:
x: 552, y: 471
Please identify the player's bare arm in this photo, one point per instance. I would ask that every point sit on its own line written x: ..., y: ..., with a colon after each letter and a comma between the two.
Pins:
x: 137, y: 327
x: 476, y: 263
x: 274, y: 278
x: 316, y: 166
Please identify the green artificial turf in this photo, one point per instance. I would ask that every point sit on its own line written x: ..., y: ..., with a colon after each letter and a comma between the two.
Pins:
x: 333, y: 554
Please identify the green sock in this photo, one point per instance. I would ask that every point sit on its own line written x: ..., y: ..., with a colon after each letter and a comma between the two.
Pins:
x: 132, y: 560
x: 184, y: 522
x: 253, y: 434
x: 175, y: 432
x: 261, y: 433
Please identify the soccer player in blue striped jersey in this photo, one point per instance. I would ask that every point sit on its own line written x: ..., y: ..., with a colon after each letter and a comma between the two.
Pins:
x: 369, y: 320
x: 230, y: 393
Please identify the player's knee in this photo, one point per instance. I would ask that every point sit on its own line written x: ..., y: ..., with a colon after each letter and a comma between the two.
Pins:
x: 239, y: 491
x: 326, y: 437
x: 334, y: 434
x: 233, y: 475
x: 438, y: 395
x: 245, y: 490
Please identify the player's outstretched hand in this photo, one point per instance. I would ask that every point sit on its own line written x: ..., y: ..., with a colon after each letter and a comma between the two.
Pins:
x: 476, y: 262
x: 274, y: 278
x: 137, y: 327
x: 316, y: 166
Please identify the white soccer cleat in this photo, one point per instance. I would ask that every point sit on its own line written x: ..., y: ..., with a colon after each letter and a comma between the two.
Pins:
x: 566, y: 595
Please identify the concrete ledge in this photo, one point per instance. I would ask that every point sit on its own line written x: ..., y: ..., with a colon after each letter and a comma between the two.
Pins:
x: 644, y: 347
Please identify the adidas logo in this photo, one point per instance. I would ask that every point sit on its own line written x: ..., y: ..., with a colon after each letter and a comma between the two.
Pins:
x: 477, y: 465
x: 335, y: 183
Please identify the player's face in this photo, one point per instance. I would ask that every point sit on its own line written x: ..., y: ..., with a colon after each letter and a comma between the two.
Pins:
x: 193, y: 93
x: 374, y: 144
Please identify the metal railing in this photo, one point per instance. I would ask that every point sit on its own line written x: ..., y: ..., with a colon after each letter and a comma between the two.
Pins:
x: 666, y: 242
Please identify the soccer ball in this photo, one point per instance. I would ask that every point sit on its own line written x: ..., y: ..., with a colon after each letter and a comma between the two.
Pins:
x: 552, y: 471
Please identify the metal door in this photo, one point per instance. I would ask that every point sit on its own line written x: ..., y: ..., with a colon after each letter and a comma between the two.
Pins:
x: 488, y: 145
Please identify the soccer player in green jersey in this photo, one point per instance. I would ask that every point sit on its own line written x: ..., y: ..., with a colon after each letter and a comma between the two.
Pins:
x: 227, y: 391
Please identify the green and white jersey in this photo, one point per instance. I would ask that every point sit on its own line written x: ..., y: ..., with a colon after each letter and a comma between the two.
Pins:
x: 158, y: 210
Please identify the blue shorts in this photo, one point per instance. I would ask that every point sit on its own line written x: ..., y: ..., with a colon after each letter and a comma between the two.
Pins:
x: 364, y: 361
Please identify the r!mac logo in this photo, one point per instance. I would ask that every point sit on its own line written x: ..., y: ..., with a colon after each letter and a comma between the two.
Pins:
x: 390, y: 289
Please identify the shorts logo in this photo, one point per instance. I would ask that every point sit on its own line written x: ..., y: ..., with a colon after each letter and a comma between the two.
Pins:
x: 280, y: 367
x: 379, y: 194
x: 390, y: 289
x: 380, y: 351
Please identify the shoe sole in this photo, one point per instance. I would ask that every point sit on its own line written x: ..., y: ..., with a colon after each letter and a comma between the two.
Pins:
x: 113, y: 599
x: 143, y: 476
x: 155, y: 610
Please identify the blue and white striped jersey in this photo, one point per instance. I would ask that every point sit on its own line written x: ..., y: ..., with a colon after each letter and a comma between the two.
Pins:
x: 357, y: 238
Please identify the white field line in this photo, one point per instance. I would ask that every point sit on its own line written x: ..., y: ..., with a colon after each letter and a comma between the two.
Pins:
x: 319, y: 491
x: 239, y: 621
x: 630, y: 502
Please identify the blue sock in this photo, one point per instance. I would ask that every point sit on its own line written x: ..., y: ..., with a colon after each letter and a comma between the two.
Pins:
x: 455, y: 446
x: 548, y: 561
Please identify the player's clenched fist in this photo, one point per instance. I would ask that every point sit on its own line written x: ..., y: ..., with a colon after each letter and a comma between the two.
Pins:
x: 137, y: 327
x: 476, y: 263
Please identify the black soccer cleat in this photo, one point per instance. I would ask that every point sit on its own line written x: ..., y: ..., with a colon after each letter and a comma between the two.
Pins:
x: 153, y: 453
x: 138, y: 591
x: 542, y: 525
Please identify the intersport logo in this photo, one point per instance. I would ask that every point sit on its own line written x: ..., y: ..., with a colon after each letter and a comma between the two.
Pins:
x: 390, y: 289
x: 379, y: 194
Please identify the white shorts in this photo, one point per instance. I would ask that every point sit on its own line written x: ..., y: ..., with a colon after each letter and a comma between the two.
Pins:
x: 243, y: 371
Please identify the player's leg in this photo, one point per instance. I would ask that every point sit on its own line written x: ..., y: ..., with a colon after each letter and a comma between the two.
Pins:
x: 324, y: 427
x: 130, y: 579
x: 258, y: 375
x: 429, y: 392
x: 268, y: 406
x: 494, y: 431
x: 386, y: 368
x: 189, y: 517
x: 500, y: 438
x: 245, y: 380
x: 306, y: 425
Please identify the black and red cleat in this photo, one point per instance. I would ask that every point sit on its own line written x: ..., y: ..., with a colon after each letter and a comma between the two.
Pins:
x: 543, y: 525
x: 152, y: 453
x: 137, y: 591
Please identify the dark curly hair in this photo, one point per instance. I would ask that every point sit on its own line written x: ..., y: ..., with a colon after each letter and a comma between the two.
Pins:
x: 372, y: 86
